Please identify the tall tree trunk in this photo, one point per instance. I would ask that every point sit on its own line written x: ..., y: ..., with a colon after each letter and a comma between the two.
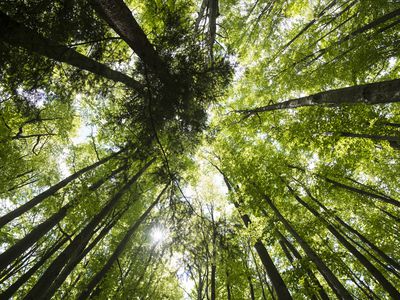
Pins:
x: 51, y: 191
x: 286, y: 245
x: 358, y: 191
x: 78, y: 258
x: 40, y: 230
x: 373, y: 93
x: 212, y: 24
x: 7, y: 294
x: 364, y: 239
x: 228, y: 286
x: 308, y: 25
x: 200, y: 15
x: 118, y: 251
x: 18, y: 35
x: 262, y: 281
x: 252, y: 296
x: 273, y: 273
x: 331, y: 279
x: 375, y: 23
x: 361, y: 258
x: 39, y: 290
x: 213, y: 262
x: 120, y: 18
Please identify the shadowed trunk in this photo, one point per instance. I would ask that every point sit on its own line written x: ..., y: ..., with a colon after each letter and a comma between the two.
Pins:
x: 18, y: 35
x: 358, y: 191
x: 51, y: 191
x: 39, y: 290
x: 25, y: 277
x: 273, y: 273
x: 120, y: 18
x: 361, y: 258
x: 331, y: 279
x: 364, y: 239
x: 118, y: 251
x: 78, y: 258
x: 288, y: 248
x: 40, y: 230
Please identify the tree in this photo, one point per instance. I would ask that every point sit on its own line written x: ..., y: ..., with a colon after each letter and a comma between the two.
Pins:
x: 148, y: 149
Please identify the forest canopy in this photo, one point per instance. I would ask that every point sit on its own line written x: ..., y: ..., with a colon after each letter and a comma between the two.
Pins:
x: 181, y: 149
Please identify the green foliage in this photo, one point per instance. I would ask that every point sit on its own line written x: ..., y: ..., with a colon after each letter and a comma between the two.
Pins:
x: 341, y: 162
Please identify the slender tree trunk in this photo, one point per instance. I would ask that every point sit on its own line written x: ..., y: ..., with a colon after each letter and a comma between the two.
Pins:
x: 358, y: 191
x: 390, y: 124
x: 22, y: 245
x: 39, y: 291
x: 251, y: 287
x: 371, y: 136
x: 260, y: 277
x: 118, y: 251
x: 308, y: 25
x: 364, y: 239
x: 18, y: 35
x: 385, y: 199
x: 373, y: 93
x: 212, y: 24
x: 284, y: 242
x: 78, y: 258
x: 214, y: 257
x: 51, y: 191
x: 7, y: 294
x: 375, y: 23
x: 228, y: 287
x: 273, y: 273
x: 331, y: 279
x: 361, y: 258
x: 120, y: 18
x: 40, y: 230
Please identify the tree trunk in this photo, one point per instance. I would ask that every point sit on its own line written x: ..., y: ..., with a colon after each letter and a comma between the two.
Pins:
x: 331, y: 279
x: 7, y: 294
x: 361, y: 258
x: 214, y: 256
x: 18, y: 35
x: 118, y: 251
x: 78, y: 258
x: 120, y: 18
x: 39, y: 290
x: 40, y: 230
x: 358, y: 191
x: 252, y: 296
x: 308, y: 25
x: 273, y: 273
x: 200, y: 15
x: 51, y: 191
x: 212, y: 24
x: 364, y: 239
x: 284, y: 242
x: 228, y: 287
x: 317, y: 54
x: 260, y: 277
x: 373, y: 93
